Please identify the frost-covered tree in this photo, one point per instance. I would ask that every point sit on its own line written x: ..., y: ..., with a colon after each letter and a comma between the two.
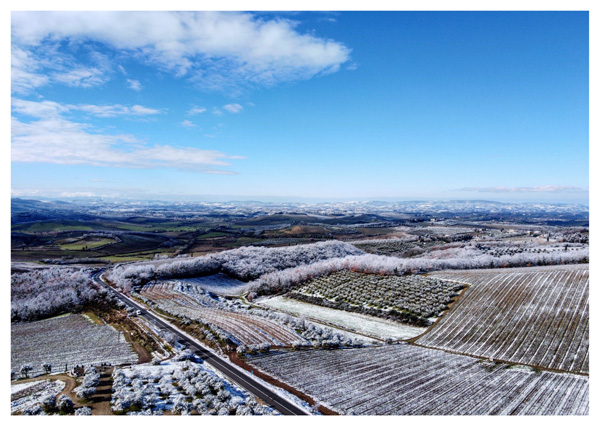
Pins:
x: 454, y: 256
x: 223, y: 411
x: 25, y: 370
x: 84, y: 392
x: 48, y: 403
x: 83, y: 411
x: 180, y: 406
x: 47, y: 292
x: 245, y: 263
x: 169, y: 337
x: 64, y: 405
x: 35, y: 410
x: 89, y: 385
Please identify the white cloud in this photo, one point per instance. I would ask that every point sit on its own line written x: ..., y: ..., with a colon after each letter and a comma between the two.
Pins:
x: 215, y: 49
x: 196, y: 110
x: 233, y: 108
x: 115, y: 110
x: 54, y: 139
x: 187, y: 123
x: 542, y: 188
x: 81, y: 77
x: 141, y: 110
x: 45, y: 109
x: 32, y: 68
x: 134, y: 85
x: 23, y: 72
x: 24, y: 192
x: 217, y: 111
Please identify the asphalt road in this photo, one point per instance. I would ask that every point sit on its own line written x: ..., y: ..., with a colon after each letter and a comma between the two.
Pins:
x: 247, y: 382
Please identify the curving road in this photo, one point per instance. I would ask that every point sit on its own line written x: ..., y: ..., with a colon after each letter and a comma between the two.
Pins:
x: 229, y: 370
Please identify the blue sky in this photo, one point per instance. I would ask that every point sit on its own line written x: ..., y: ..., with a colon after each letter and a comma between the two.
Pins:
x: 353, y: 105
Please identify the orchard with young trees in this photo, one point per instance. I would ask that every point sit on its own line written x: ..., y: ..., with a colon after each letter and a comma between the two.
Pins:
x: 409, y: 299
x: 179, y: 387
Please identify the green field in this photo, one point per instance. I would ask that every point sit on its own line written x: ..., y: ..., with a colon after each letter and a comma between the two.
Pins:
x: 213, y: 235
x: 89, y: 243
x: 54, y: 226
x: 132, y: 258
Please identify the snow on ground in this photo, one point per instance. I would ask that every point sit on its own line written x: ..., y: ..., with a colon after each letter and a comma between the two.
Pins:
x: 288, y: 395
x: 26, y: 395
x: 372, y: 326
x: 218, y: 283
x: 66, y: 341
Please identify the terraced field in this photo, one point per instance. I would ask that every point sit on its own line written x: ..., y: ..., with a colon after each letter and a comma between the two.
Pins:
x: 534, y: 316
x: 243, y: 328
x: 411, y: 380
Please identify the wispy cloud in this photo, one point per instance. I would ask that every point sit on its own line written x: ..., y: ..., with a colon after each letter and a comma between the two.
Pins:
x: 51, y: 138
x: 25, y: 75
x: 78, y: 192
x: 542, y: 188
x: 81, y: 77
x: 217, y: 50
x: 196, y: 110
x: 33, y: 67
x: 42, y: 109
x: 233, y: 108
x: 187, y: 123
x: 115, y: 110
x: 46, y: 109
x: 134, y: 85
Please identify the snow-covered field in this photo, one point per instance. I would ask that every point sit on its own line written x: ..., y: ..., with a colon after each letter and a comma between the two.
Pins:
x: 538, y: 317
x: 364, y: 324
x: 65, y: 341
x: 241, y: 327
x: 411, y: 380
x: 218, y: 283
x: 26, y: 395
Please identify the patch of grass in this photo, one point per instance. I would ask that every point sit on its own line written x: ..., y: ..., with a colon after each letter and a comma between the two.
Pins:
x: 88, y: 243
x: 244, y: 241
x: 56, y: 226
x: 376, y: 231
x: 213, y: 235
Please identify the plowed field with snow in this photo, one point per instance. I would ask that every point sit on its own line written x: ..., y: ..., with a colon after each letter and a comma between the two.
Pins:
x: 246, y: 329
x: 411, y: 380
x: 534, y: 316
x: 66, y: 341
